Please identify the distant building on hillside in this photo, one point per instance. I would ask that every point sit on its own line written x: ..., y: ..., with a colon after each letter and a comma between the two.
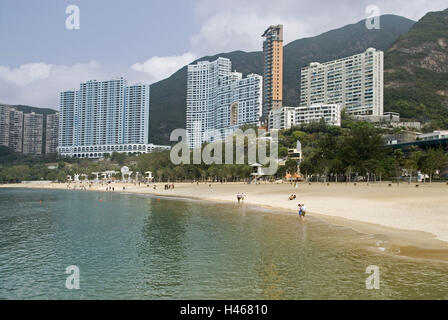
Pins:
x: 32, y: 133
x: 4, y: 125
x: 51, y: 136
x: 435, y: 135
x: 283, y: 118
x: 390, y: 119
x: 287, y: 117
x: 11, y: 128
x: 355, y: 82
x: 330, y: 113
x: 26, y: 132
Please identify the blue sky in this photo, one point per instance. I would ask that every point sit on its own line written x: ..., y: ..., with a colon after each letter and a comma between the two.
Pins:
x: 113, y: 32
x: 147, y: 40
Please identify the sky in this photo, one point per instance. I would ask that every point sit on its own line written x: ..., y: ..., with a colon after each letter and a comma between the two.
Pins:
x: 148, y: 40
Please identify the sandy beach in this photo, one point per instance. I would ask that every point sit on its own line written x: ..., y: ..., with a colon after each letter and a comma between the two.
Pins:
x: 415, y: 218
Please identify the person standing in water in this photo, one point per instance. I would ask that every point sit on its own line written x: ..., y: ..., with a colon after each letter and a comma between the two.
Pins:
x: 303, y: 210
x: 300, y: 211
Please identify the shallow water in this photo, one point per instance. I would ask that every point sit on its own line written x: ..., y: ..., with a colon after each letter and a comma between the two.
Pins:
x: 140, y: 247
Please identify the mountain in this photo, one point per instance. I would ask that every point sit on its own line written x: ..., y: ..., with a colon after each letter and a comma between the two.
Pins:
x: 168, y: 96
x: 416, y: 71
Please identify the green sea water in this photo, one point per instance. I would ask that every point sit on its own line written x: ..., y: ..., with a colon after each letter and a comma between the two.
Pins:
x: 140, y: 247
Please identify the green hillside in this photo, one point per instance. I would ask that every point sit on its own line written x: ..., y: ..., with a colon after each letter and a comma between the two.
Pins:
x: 416, y: 72
x: 168, y: 96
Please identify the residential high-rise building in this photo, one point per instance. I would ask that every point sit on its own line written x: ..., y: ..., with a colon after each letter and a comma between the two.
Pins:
x: 136, y: 117
x: 11, y: 128
x: 32, y: 133
x: 26, y: 132
x: 16, y: 130
x: 67, y: 102
x: 51, y: 133
x: 104, y: 117
x: 203, y: 82
x: 99, y: 113
x: 4, y: 125
x: 273, y: 69
x: 355, y: 82
x: 219, y: 101
x: 239, y: 102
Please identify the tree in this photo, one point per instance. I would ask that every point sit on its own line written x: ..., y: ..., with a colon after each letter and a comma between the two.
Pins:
x: 398, y: 157
x: 307, y: 168
x: 119, y: 158
x: 411, y: 164
x: 434, y: 160
x: 291, y: 166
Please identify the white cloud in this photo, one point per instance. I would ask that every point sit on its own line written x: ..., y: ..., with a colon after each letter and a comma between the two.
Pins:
x: 25, y: 74
x: 159, y: 68
x: 39, y: 84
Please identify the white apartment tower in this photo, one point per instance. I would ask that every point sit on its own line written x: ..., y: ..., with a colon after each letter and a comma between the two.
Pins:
x: 219, y: 101
x: 355, y: 82
x: 104, y: 117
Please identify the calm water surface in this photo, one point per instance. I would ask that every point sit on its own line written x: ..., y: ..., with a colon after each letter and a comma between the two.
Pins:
x: 138, y: 247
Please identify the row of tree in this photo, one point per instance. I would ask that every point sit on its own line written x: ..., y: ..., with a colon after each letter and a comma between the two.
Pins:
x: 354, y: 151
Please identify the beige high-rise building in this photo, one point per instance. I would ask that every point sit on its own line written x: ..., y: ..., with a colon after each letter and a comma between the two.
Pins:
x: 4, y: 126
x: 11, y: 128
x: 52, y: 130
x: 273, y: 69
x: 32, y: 133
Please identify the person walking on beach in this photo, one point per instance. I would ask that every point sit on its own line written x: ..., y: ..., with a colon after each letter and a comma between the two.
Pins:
x: 238, y: 197
x: 300, y: 211
x: 303, y: 210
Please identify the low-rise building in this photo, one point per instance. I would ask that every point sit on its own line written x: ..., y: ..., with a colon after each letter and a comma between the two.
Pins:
x: 281, y: 119
x: 435, y: 135
x: 331, y: 113
x: 99, y: 151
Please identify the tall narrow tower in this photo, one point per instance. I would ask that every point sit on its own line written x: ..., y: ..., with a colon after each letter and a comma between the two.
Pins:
x: 273, y: 69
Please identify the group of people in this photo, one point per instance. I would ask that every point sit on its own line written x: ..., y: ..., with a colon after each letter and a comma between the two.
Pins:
x: 169, y: 186
x: 240, y: 197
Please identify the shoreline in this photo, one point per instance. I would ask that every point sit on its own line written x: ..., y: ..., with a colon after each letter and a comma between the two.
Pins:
x: 403, y: 238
